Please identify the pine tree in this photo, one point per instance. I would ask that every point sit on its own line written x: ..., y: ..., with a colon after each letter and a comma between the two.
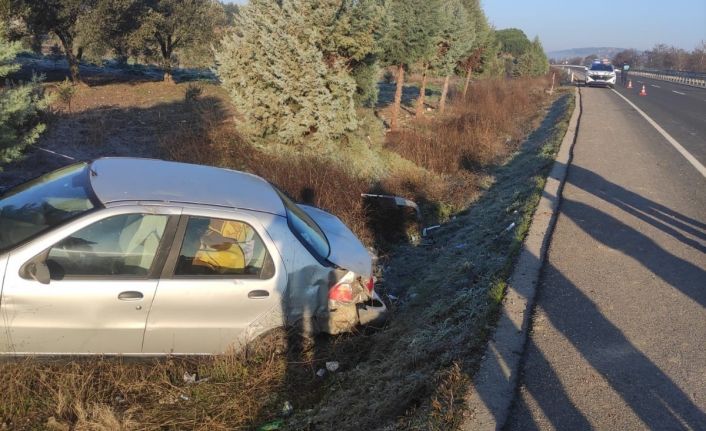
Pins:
x: 483, y: 54
x: 455, y: 42
x: 533, y: 62
x: 287, y: 71
x: 19, y: 105
x: 350, y: 32
x: 412, y: 27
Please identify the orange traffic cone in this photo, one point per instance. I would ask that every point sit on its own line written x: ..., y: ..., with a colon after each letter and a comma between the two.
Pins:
x: 643, y: 92
x: 630, y: 83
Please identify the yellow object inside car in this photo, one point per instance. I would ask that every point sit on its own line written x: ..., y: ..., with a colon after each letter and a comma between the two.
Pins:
x: 219, y: 246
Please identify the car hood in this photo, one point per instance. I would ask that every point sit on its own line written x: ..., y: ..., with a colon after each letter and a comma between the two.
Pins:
x: 346, y: 249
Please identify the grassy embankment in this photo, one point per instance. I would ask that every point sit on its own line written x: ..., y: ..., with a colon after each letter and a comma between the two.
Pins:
x: 409, y: 375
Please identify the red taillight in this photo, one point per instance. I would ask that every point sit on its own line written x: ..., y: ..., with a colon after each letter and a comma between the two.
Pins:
x: 370, y: 284
x: 341, y: 292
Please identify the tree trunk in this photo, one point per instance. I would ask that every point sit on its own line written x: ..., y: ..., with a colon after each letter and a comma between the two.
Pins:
x: 168, y: 78
x: 74, y: 71
x: 394, y: 121
x: 469, y: 72
x: 422, y: 94
x: 444, y: 92
x: 165, y: 45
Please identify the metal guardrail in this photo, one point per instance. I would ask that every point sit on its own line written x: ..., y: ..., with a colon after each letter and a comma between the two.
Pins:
x: 694, y: 79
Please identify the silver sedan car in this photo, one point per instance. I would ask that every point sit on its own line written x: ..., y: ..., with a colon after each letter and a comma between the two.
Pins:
x: 137, y: 256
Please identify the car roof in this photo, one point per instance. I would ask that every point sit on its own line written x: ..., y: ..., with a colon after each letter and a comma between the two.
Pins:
x: 118, y: 179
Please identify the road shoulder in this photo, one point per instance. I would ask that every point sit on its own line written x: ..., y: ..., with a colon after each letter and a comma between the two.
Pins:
x: 492, y: 390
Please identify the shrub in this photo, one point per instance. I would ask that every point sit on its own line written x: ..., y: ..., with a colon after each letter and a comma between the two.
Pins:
x: 65, y: 92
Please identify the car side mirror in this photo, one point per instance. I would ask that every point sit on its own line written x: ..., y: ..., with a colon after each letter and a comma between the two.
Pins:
x: 37, y: 269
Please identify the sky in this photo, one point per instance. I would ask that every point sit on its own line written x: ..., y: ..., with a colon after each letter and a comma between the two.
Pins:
x: 639, y: 24
x: 565, y: 24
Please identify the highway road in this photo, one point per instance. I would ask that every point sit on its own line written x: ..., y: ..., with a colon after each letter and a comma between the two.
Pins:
x: 619, y: 326
x: 679, y: 109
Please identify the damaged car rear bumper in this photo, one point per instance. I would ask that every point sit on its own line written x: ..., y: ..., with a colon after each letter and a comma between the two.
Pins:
x: 346, y: 317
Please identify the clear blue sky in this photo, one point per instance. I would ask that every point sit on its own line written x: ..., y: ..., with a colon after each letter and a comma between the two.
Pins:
x: 640, y: 24
x: 564, y: 24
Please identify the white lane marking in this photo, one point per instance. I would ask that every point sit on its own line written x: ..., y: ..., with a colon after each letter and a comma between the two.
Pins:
x: 678, y: 92
x: 655, y: 86
x: 687, y: 155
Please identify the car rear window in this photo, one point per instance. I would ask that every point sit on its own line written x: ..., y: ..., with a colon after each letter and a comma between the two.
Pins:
x: 305, y: 228
x: 602, y: 67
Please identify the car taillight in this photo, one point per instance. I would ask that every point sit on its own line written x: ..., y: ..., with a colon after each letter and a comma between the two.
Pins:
x: 370, y: 284
x: 341, y: 292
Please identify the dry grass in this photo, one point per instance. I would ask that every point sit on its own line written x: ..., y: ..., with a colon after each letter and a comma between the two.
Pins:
x: 477, y: 131
x: 122, y: 394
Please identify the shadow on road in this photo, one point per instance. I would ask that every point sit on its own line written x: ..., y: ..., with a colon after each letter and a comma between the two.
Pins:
x: 645, y: 388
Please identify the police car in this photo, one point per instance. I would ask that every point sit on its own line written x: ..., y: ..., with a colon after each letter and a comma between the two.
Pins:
x: 600, y: 73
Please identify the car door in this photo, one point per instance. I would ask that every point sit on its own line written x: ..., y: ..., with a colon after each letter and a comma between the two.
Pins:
x: 100, y: 275
x: 222, y: 285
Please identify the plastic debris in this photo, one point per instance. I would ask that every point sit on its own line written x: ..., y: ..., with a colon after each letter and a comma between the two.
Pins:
x: 191, y: 379
x: 462, y: 245
x: 509, y: 228
x: 392, y: 297
x: 272, y: 426
x: 332, y: 366
x: 426, y: 230
x: 287, y: 409
x: 321, y: 372
x: 184, y: 397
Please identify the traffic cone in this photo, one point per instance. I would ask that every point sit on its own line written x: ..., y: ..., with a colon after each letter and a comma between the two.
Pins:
x: 629, y: 83
x: 643, y: 92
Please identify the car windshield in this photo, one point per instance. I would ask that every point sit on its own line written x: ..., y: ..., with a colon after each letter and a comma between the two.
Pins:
x: 305, y: 228
x: 43, y: 203
x: 602, y: 67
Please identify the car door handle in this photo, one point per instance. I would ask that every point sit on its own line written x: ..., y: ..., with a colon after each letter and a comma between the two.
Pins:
x: 258, y: 294
x: 130, y: 295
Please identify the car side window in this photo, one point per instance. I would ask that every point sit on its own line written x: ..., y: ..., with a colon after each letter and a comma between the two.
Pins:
x: 218, y: 247
x: 122, y: 245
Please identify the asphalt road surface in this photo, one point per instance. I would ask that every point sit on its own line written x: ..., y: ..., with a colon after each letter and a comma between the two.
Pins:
x: 618, y: 339
x: 679, y: 109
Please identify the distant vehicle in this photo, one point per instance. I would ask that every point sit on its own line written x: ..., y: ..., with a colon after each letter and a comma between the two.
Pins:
x: 136, y: 256
x: 600, y: 73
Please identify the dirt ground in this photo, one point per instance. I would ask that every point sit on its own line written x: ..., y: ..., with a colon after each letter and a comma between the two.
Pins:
x: 120, y: 119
